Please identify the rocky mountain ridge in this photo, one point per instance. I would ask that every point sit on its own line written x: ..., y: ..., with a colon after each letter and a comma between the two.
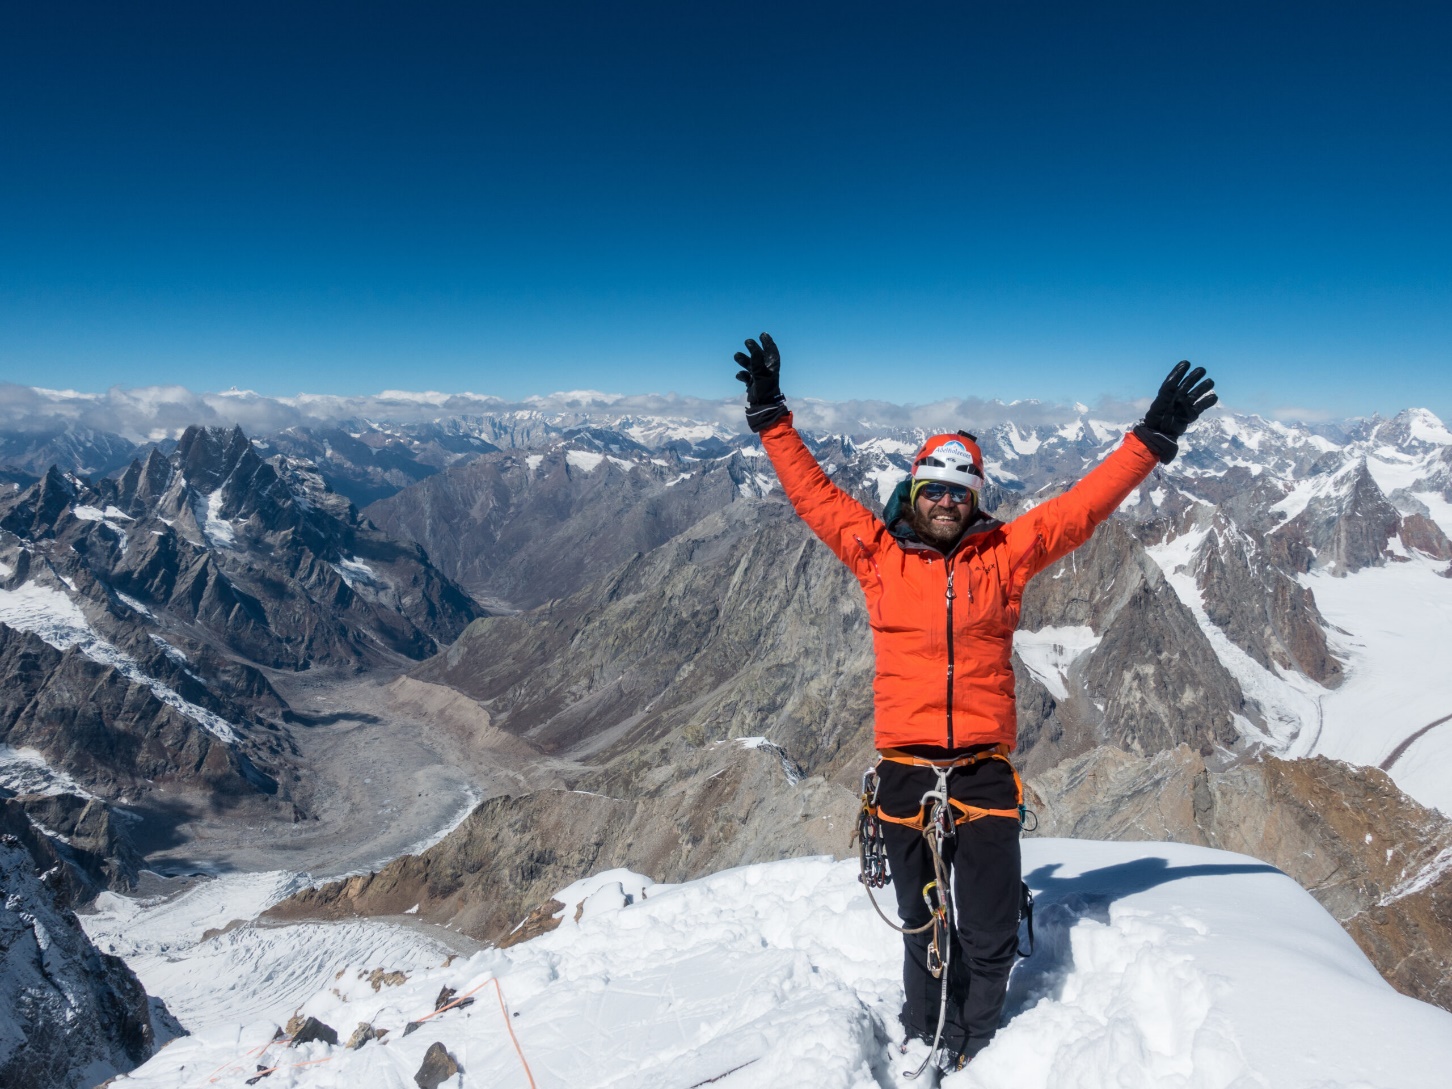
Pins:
x: 139, y: 616
x: 75, y: 1016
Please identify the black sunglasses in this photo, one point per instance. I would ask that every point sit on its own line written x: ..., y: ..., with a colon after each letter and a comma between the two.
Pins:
x: 935, y: 490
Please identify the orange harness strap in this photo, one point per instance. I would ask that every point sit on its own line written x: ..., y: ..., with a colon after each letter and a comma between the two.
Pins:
x: 965, y: 812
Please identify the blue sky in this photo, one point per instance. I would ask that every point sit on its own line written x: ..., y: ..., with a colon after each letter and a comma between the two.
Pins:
x: 1006, y: 199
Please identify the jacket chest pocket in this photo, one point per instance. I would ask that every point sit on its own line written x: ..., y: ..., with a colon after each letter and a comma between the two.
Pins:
x: 983, y: 598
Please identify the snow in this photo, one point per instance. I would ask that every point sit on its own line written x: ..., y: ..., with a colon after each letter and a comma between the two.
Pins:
x: 584, y: 459
x: 589, y: 461
x: 1021, y: 443
x: 251, y: 973
x: 353, y: 571
x: 218, y: 530
x: 533, y: 461
x: 1314, y: 487
x: 1289, y: 702
x: 1392, y: 470
x: 26, y: 771
x: 1156, y: 965
x: 59, y: 621
x: 756, y: 485
x: 6, y: 570
x: 884, y: 481
x: 1049, y: 652
x: 1426, y: 427
x: 1421, y: 879
x: 133, y: 604
x: 1398, y: 621
x: 88, y: 514
x: 1392, y: 626
x: 170, y: 651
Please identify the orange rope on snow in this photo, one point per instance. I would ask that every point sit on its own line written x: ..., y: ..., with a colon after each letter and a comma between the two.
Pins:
x: 505, y: 1010
x: 450, y: 1005
x: 259, y: 1050
x: 288, y: 1066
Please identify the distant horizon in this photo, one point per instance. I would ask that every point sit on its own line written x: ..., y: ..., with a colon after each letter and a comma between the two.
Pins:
x: 156, y: 413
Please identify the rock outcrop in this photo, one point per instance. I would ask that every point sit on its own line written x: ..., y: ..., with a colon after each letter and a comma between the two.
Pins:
x: 88, y: 836
x: 73, y: 1016
x: 525, y: 529
x: 257, y: 557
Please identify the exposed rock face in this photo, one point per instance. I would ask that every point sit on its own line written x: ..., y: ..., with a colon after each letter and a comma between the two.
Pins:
x: 744, y: 625
x: 112, y: 732
x: 366, y: 463
x: 1345, y: 529
x: 258, y: 557
x: 135, y: 613
x: 1380, y: 863
x: 74, y: 449
x: 525, y: 529
x: 1420, y: 533
x: 1260, y: 608
x: 707, y: 810
x: 73, y: 1016
x: 1152, y: 682
x: 88, y: 835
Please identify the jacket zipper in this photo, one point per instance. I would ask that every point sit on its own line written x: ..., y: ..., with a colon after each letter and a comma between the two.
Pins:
x: 949, y: 598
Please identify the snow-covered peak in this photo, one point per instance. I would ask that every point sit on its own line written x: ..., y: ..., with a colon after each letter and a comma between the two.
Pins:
x: 1154, y: 964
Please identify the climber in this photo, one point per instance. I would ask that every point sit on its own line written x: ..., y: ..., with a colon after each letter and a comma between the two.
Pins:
x: 943, y: 582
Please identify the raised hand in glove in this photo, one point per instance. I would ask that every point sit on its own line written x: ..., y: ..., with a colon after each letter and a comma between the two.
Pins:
x: 1181, y: 399
x: 761, y: 371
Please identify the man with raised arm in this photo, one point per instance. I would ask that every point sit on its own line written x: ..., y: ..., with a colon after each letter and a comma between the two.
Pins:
x: 943, y: 582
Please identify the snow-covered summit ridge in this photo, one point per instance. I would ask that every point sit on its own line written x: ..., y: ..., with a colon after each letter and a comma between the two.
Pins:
x: 1156, y: 964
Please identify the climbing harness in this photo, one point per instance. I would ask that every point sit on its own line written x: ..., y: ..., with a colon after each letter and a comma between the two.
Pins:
x: 937, y: 819
x: 966, y: 812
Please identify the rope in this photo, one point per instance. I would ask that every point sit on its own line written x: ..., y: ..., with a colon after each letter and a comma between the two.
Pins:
x: 507, y: 1024
x: 941, y: 828
x: 259, y: 1050
x: 936, y: 829
x: 862, y: 860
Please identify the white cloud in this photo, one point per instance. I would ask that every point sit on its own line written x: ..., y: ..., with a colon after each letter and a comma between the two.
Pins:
x: 151, y: 413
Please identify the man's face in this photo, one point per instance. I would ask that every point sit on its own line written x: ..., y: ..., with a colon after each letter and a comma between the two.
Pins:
x: 941, y: 521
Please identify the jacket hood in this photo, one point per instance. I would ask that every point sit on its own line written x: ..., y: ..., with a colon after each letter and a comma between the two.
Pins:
x: 894, y: 515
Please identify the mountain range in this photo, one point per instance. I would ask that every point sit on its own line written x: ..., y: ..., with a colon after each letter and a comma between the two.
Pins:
x: 627, y: 599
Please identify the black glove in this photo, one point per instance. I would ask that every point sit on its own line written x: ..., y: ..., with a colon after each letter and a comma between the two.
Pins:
x: 761, y: 371
x: 1177, y: 405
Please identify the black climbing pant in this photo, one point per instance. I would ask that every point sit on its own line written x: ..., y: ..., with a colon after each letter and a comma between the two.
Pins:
x: 985, y: 870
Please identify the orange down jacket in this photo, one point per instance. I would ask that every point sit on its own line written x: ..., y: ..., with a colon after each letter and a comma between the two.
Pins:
x: 942, y: 625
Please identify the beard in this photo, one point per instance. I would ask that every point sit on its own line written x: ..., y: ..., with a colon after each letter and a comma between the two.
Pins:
x: 941, y: 526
